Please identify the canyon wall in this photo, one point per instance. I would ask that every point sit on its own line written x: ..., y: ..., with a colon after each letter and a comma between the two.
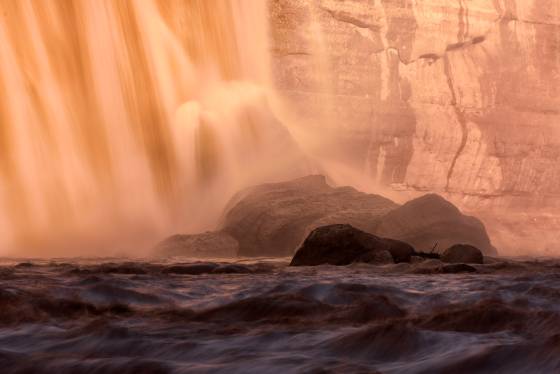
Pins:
x: 459, y: 97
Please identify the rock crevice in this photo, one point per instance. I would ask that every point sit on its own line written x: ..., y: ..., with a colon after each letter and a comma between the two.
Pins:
x: 457, y: 97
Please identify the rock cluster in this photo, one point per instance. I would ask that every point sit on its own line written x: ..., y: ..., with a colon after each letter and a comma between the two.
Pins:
x: 344, y: 244
x: 274, y: 219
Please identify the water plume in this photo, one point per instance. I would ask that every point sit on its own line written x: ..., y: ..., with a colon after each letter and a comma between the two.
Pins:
x: 124, y: 121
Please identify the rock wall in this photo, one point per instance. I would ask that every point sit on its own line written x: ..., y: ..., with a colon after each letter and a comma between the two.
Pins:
x: 459, y: 97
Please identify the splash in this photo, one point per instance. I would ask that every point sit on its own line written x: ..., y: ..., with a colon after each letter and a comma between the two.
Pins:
x: 123, y: 121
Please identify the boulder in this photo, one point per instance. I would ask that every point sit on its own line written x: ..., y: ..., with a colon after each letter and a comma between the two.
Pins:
x: 208, y: 244
x: 431, y: 219
x: 462, y: 253
x: 273, y: 219
x: 344, y: 244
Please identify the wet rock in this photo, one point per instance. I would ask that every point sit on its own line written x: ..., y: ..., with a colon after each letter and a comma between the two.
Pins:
x: 416, y: 259
x: 428, y: 255
x: 377, y: 257
x: 25, y: 265
x: 462, y: 253
x: 191, y: 269
x: 344, y: 244
x: 232, y: 269
x: 125, y: 268
x: 208, y: 244
x: 431, y: 219
x: 213, y: 268
x: 273, y: 219
x: 457, y: 268
x: 429, y: 266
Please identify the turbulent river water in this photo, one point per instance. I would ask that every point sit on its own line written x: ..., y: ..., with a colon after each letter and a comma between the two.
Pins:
x: 261, y: 316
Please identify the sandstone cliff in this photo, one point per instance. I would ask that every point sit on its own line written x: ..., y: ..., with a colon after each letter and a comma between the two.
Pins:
x: 459, y: 97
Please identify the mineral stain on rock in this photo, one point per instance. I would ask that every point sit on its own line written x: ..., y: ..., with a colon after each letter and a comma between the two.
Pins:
x: 476, y: 122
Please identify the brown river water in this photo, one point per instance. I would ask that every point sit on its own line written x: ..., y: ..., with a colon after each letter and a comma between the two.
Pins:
x: 261, y: 316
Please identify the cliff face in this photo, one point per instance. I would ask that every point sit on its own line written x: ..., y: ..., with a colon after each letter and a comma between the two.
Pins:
x: 460, y: 97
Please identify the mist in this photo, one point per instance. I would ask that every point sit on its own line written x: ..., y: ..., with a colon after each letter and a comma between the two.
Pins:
x: 279, y: 186
x: 126, y: 122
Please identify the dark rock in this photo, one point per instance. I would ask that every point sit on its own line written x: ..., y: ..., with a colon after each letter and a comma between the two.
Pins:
x: 208, y: 244
x: 25, y: 265
x: 129, y: 268
x: 428, y: 255
x: 401, y: 251
x: 377, y: 257
x: 416, y: 259
x: 344, y: 244
x: 273, y: 219
x: 457, y: 268
x: 428, y: 266
x: 462, y: 253
x: 432, y: 266
x: 232, y: 269
x: 431, y: 219
x: 191, y: 269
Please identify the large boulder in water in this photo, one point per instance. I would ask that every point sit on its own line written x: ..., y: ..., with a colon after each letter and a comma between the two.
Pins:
x: 462, y: 254
x: 208, y: 244
x: 431, y: 219
x: 273, y: 219
x: 344, y: 244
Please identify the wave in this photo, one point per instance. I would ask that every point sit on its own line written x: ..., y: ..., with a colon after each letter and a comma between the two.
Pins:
x: 175, y: 317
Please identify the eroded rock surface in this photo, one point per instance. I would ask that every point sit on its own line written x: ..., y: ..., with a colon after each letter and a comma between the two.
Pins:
x: 458, y: 97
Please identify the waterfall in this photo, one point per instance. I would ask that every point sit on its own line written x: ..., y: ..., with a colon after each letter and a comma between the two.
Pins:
x: 122, y: 121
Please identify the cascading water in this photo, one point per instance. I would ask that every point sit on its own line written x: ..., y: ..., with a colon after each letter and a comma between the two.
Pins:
x: 122, y: 121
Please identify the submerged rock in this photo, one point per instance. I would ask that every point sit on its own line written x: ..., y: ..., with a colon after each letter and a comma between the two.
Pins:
x: 344, y: 244
x: 191, y: 269
x: 462, y: 253
x: 273, y: 219
x: 432, y: 266
x: 431, y: 219
x: 457, y: 268
x: 208, y: 244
